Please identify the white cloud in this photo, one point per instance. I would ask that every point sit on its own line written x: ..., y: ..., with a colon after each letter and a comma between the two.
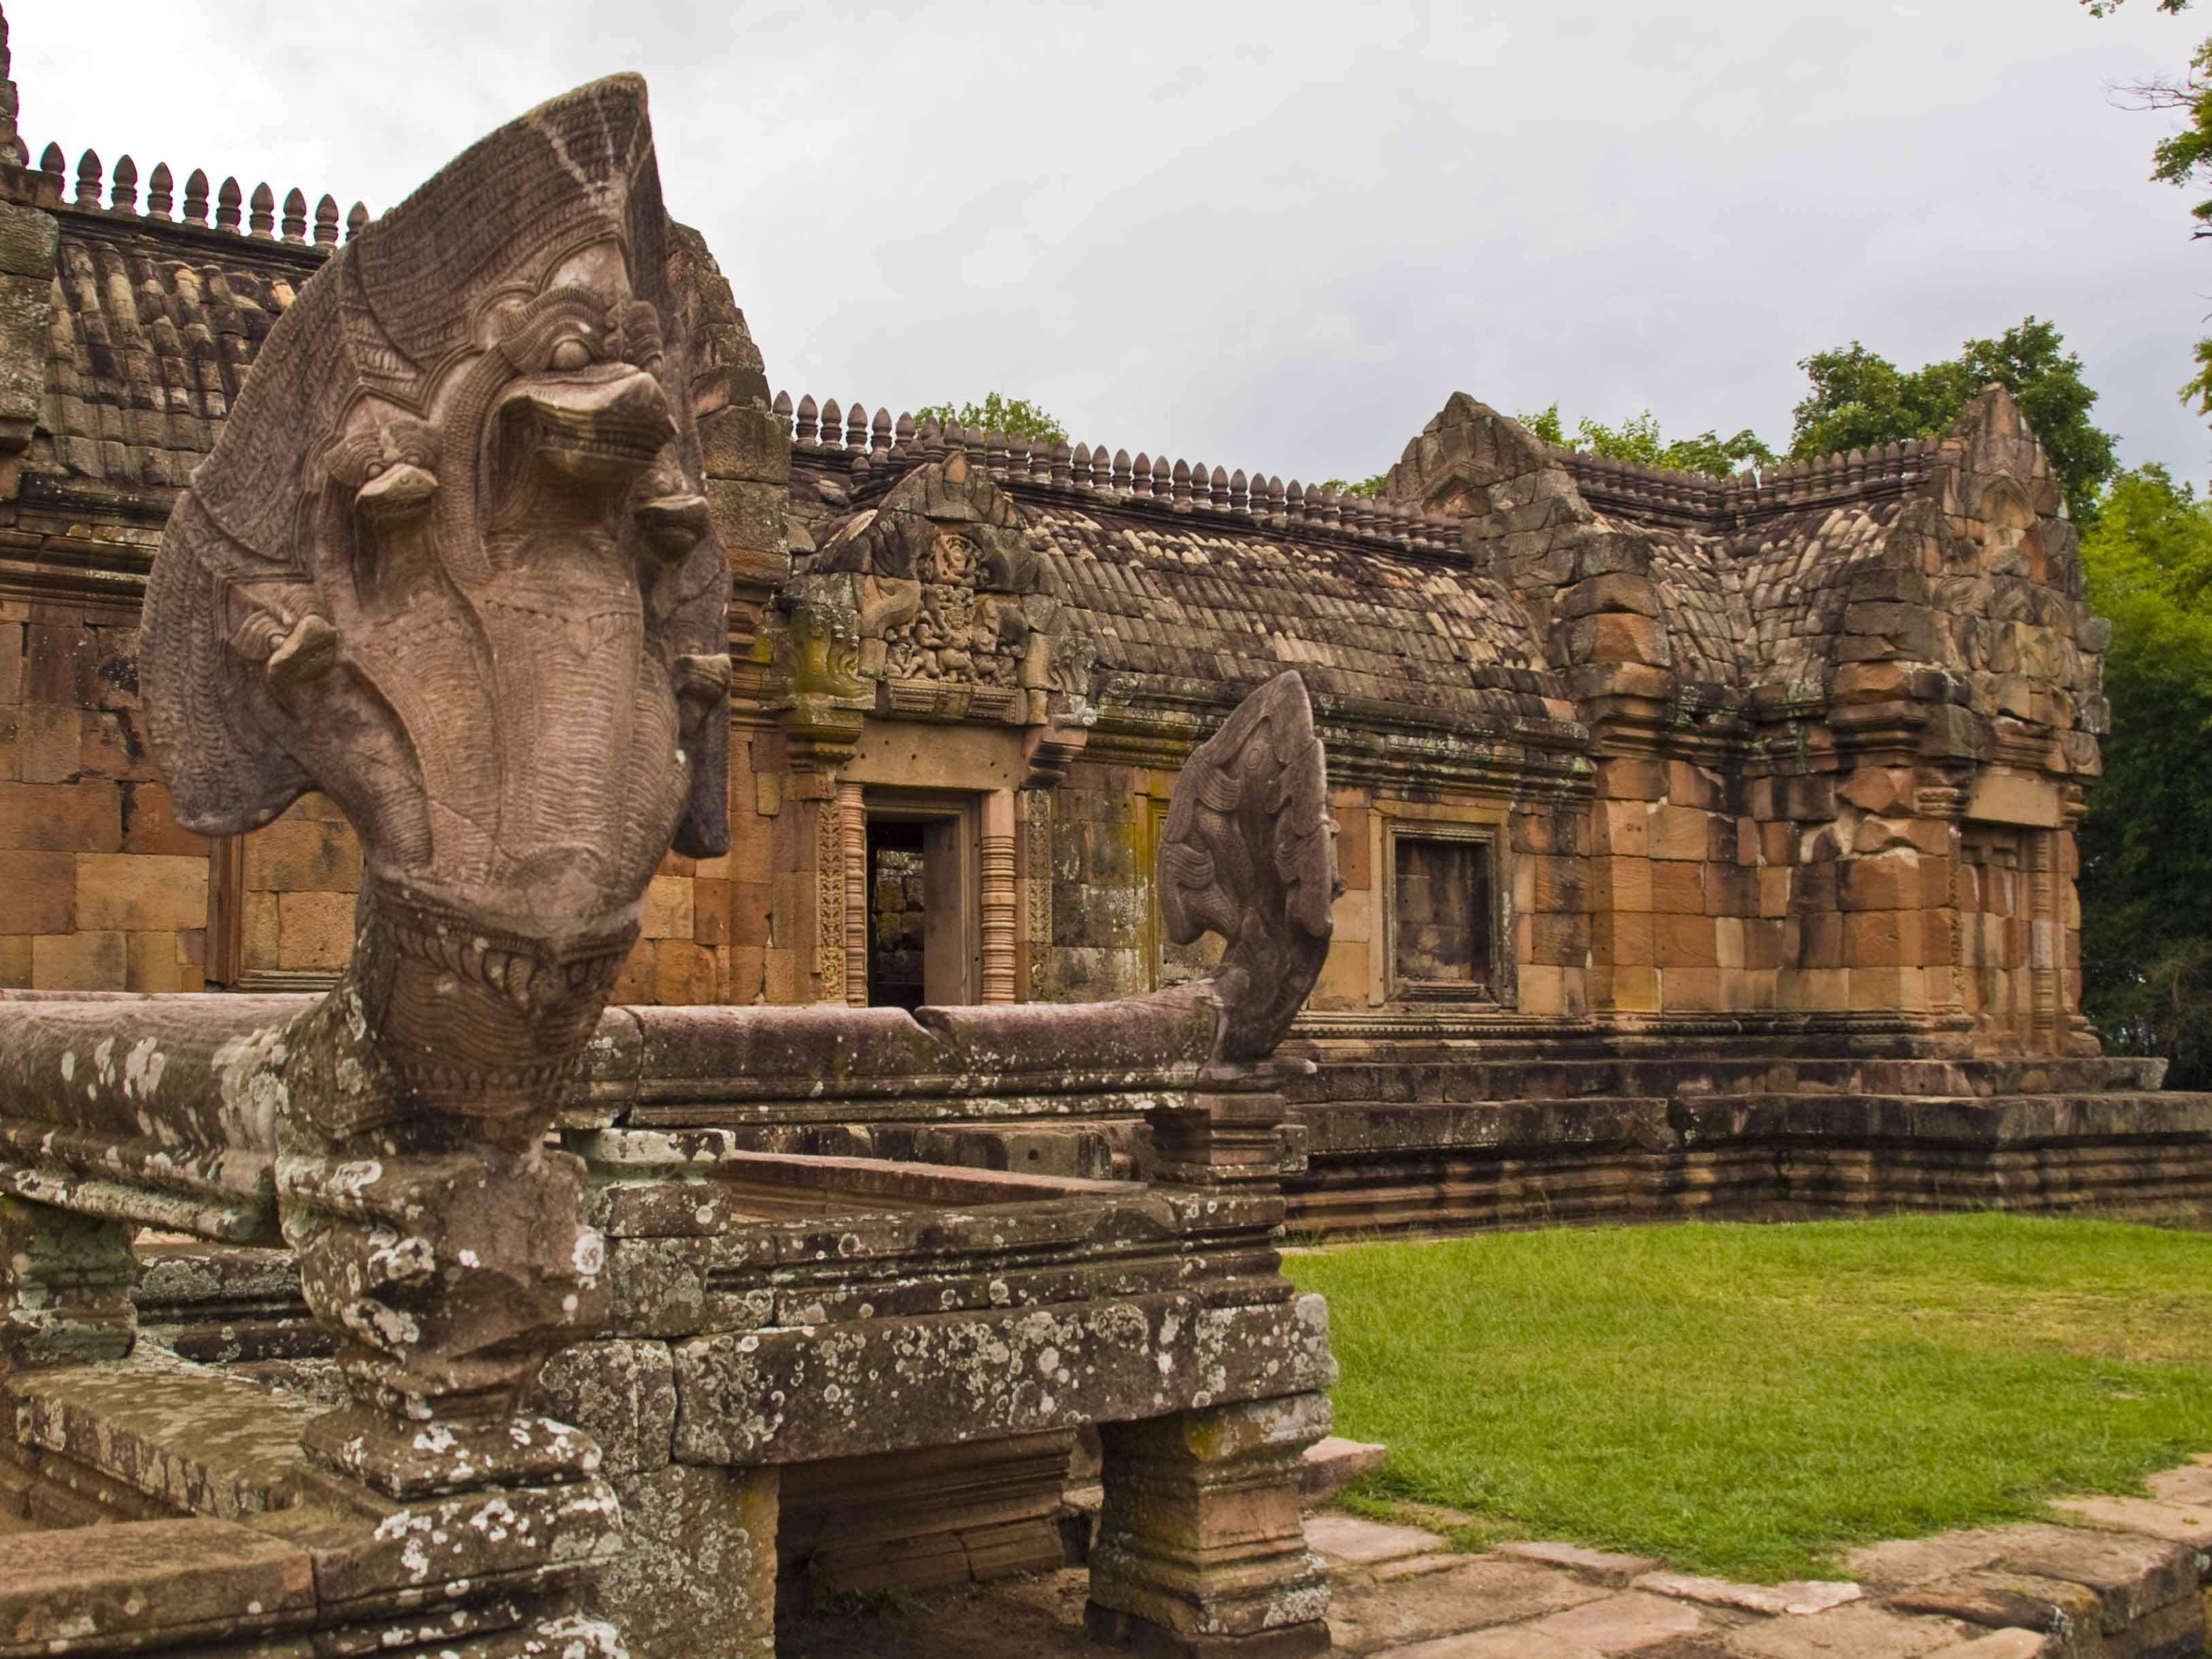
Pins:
x: 1275, y: 235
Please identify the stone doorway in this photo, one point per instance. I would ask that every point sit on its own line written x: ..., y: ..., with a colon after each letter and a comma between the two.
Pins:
x: 898, y: 901
x: 922, y: 932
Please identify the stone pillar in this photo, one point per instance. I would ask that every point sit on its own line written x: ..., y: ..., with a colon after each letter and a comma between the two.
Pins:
x: 999, y: 896
x: 1200, y: 1551
x: 2046, y: 938
x: 65, y: 1285
x: 696, y: 1575
x: 852, y: 861
x: 1033, y: 810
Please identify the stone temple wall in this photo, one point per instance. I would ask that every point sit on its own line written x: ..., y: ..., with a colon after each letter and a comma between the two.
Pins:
x: 1798, y: 753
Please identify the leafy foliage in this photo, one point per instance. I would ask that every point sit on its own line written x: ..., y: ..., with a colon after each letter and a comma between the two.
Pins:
x: 1018, y: 417
x: 1368, y: 486
x: 2147, y: 840
x: 1860, y: 399
x: 1639, y: 441
x: 2182, y: 158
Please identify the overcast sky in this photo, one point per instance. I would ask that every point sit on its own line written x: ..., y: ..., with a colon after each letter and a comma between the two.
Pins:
x: 1277, y: 235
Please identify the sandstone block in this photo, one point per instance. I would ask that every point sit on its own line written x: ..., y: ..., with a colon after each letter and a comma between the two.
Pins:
x: 78, y: 962
x: 710, y: 912
x: 1624, y: 828
x: 1876, y: 938
x: 697, y: 1574
x: 156, y: 963
x: 684, y: 974
x: 65, y: 817
x: 41, y: 894
x: 1796, y: 1596
x: 1597, y: 1566
x: 150, y: 1584
x: 49, y: 743
x: 1678, y: 886
x: 314, y: 931
x: 1685, y: 941
x: 141, y: 892
x: 299, y: 855
x: 1625, y: 941
x: 1631, y: 778
x: 1857, y: 1632
x: 668, y: 909
x: 1621, y: 884
x: 1695, y: 990
x: 1878, y: 884
x: 1349, y: 1537
x: 1627, y: 1623
x: 1680, y: 832
x: 149, y: 824
x: 622, y: 1394
x: 1333, y: 1461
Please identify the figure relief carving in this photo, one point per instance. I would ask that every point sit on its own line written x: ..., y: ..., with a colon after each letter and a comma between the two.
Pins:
x: 450, y: 563
x: 953, y: 612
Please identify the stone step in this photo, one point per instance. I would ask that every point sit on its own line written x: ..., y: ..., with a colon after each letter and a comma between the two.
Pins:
x: 1334, y: 1462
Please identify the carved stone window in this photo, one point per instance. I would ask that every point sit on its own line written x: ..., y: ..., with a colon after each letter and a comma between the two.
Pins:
x: 1444, y: 914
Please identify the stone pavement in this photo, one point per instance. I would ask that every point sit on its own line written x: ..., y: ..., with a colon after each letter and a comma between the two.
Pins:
x: 2122, y: 1578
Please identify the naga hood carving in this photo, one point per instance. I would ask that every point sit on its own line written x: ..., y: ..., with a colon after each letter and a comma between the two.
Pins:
x: 450, y: 562
x: 1248, y: 852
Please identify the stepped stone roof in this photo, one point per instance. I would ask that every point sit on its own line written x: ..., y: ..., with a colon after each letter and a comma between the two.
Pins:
x: 153, y: 328
x: 1179, y: 610
x: 1451, y: 601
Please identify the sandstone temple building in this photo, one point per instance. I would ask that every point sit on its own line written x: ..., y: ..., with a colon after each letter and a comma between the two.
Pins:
x: 1705, y: 843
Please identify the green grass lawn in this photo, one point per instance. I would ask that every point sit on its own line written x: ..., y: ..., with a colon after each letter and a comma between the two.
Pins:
x: 1750, y: 1400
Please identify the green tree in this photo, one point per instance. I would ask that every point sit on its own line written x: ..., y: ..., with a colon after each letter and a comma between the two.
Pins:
x: 1639, y: 441
x: 1018, y: 417
x: 2146, y: 842
x: 1370, y: 487
x: 1859, y: 400
x: 2182, y: 158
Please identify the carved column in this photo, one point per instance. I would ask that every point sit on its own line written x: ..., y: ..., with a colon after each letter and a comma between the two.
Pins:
x: 852, y: 861
x: 2045, y: 943
x: 1033, y: 810
x: 1945, y: 956
x: 1200, y: 1550
x: 999, y: 896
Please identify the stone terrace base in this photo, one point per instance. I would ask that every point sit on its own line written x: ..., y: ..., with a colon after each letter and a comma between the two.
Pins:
x: 1450, y: 1136
x: 2123, y: 1579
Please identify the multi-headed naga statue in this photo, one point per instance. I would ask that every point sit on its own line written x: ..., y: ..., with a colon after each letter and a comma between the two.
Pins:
x: 451, y: 565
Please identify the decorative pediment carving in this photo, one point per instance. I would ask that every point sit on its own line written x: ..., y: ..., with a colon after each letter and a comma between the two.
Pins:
x: 952, y: 613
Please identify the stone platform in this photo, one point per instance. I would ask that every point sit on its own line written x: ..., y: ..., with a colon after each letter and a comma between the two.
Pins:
x: 1459, y: 1134
x: 2122, y: 1578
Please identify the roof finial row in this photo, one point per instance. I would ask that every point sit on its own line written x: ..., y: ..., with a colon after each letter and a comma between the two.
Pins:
x: 868, y: 444
x: 263, y: 225
x: 1789, y: 483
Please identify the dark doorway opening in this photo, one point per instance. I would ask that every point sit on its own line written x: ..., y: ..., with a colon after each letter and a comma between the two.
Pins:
x: 898, y: 913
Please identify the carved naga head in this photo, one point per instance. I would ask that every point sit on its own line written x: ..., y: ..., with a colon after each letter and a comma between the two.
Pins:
x: 450, y: 563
